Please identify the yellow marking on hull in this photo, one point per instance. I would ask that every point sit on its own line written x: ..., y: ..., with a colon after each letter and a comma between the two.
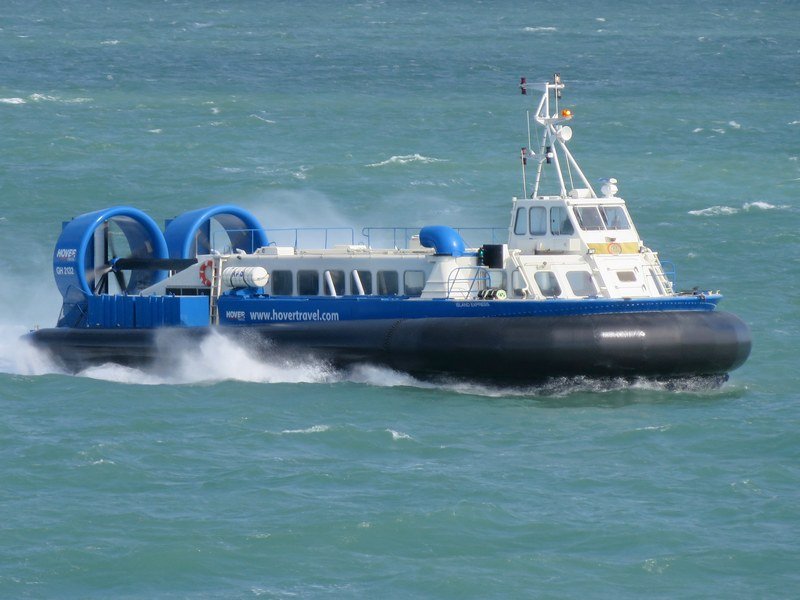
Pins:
x: 616, y: 248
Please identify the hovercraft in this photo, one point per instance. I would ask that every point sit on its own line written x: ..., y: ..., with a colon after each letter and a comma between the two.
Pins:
x: 572, y: 291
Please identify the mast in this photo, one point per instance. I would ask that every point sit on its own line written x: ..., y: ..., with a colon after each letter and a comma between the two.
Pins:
x: 552, y: 148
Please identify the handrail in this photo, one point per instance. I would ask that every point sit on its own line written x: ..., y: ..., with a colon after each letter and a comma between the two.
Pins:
x: 400, y: 236
x: 480, y: 275
x: 297, y: 231
x: 670, y: 272
x: 498, y: 234
x: 325, y: 231
x: 514, y: 256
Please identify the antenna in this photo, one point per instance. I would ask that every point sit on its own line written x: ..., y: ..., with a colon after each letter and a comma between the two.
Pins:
x: 555, y: 135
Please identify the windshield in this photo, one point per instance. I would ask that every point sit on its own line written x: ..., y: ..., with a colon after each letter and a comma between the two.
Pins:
x: 594, y: 218
x: 614, y: 217
x: 589, y: 218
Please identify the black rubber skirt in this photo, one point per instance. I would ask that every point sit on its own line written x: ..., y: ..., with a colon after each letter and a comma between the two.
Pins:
x: 516, y: 350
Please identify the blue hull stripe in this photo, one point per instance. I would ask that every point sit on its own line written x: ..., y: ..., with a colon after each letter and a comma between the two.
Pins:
x: 248, y: 310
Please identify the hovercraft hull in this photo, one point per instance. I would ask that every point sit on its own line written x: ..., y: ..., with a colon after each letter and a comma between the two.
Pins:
x: 668, y: 344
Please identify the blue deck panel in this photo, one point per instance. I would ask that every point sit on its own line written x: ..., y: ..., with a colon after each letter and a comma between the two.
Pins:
x: 145, y: 312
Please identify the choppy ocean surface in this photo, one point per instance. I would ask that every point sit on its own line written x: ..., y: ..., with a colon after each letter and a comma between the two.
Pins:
x: 232, y: 478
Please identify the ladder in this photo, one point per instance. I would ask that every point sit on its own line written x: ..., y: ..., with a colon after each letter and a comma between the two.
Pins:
x: 215, y: 291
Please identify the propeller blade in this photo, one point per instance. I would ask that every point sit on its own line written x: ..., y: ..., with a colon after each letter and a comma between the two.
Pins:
x: 101, y: 270
x: 102, y: 284
x: 153, y: 264
x: 120, y: 281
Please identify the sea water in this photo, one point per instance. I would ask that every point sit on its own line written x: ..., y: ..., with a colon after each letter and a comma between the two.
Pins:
x: 231, y: 477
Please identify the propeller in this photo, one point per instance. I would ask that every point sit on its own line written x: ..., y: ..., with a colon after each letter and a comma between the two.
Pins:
x: 115, y: 264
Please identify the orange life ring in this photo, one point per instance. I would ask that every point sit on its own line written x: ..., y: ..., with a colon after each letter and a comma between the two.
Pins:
x: 614, y: 248
x: 204, y: 277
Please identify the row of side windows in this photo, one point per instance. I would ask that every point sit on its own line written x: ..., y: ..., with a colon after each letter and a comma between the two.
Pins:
x: 314, y: 283
x: 535, y: 222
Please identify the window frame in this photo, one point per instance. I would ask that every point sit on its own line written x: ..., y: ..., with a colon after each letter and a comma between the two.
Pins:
x: 416, y: 290
x: 381, y: 282
x: 553, y: 280
x: 587, y: 277
x: 306, y: 273
x: 280, y: 273
x: 565, y: 219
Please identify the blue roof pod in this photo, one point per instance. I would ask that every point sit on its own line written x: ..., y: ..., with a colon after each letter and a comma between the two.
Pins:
x: 445, y: 240
x: 73, y: 257
x: 189, y: 234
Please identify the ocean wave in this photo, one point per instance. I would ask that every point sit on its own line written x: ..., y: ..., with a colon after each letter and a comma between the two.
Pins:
x: 264, y: 119
x: 215, y: 359
x: 312, y: 429
x: 713, y: 211
x: 397, y: 435
x: 406, y: 159
x: 539, y: 29
x: 21, y: 358
x: 36, y: 97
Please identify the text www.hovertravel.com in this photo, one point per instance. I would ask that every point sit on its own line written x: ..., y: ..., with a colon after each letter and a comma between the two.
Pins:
x: 282, y: 315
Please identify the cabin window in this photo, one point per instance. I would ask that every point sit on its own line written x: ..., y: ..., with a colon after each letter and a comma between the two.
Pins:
x: 413, y: 282
x: 337, y: 277
x: 614, y: 217
x: 626, y: 276
x: 519, y: 222
x: 581, y: 283
x: 366, y: 282
x: 559, y: 221
x: 281, y: 283
x: 308, y: 283
x: 518, y: 284
x: 538, y: 220
x: 388, y: 283
x: 589, y: 218
x: 548, y: 284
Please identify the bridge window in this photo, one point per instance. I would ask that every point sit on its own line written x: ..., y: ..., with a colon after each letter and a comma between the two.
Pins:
x: 589, y: 218
x: 548, y: 284
x: 281, y: 283
x: 413, y: 282
x: 581, y: 283
x: 388, y: 283
x: 538, y: 220
x: 614, y: 217
x: 338, y: 283
x: 559, y: 221
x: 308, y: 283
x: 366, y: 282
x: 519, y: 223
